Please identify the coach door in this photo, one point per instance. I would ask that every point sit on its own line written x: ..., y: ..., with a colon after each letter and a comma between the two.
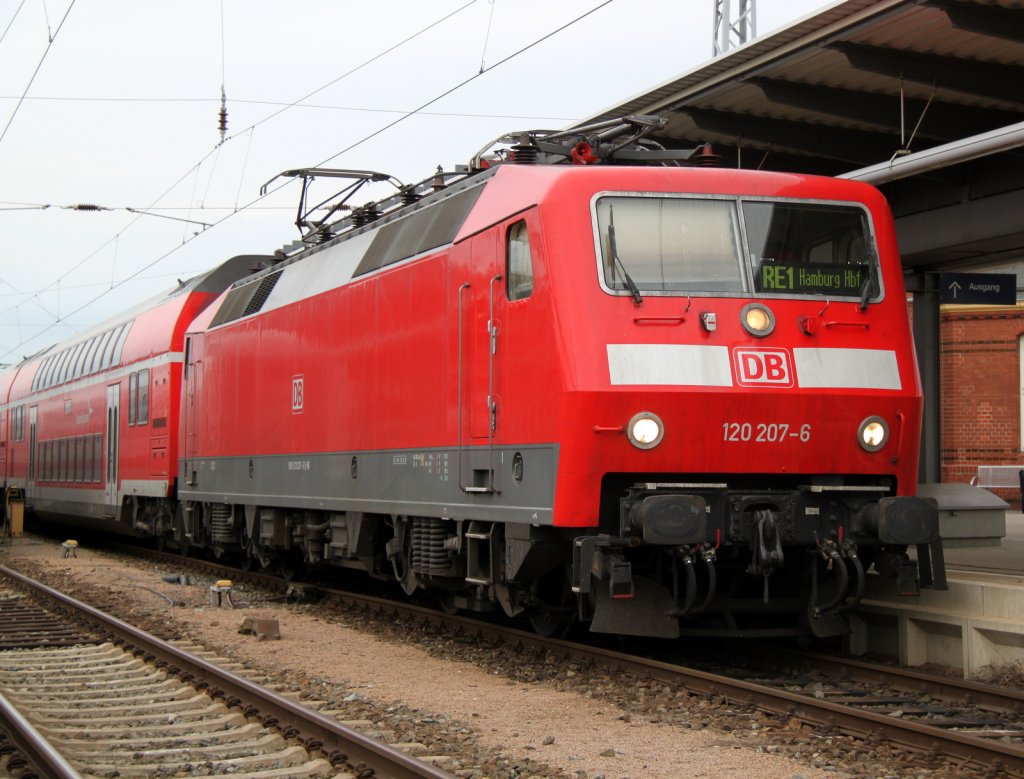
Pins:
x: 190, y: 422
x: 31, y: 484
x: 113, y: 427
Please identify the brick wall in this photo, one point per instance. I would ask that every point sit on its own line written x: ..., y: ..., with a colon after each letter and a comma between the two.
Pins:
x: 980, y: 387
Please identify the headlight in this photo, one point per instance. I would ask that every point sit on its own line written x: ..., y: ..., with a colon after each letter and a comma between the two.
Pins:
x: 645, y: 430
x: 873, y: 434
x: 757, y: 319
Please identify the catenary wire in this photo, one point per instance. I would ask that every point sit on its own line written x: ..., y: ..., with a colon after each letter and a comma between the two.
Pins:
x: 196, y: 167
x: 242, y: 101
x: 348, y: 148
x: 49, y: 45
x: 11, y: 23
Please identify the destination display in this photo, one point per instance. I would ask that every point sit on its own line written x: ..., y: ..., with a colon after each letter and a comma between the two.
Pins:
x: 811, y: 277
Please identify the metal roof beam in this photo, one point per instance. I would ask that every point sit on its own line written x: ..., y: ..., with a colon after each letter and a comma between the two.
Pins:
x: 995, y: 142
x: 974, y: 77
x: 798, y: 137
x: 942, y: 121
x: 991, y: 20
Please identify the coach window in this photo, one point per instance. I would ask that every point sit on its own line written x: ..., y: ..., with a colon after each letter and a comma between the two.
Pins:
x: 62, y: 369
x: 51, y: 364
x: 122, y: 336
x: 519, y: 262
x: 80, y: 459
x: 97, y: 458
x: 142, y: 414
x: 52, y: 374
x: 76, y: 372
x: 40, y: 377
x: 108, y: 349
x: 133, y: 393
x: 44, y: 373
x: 90, y: 356
x: 69, y: 372
x: 18, y: 424
x: 97, y: 360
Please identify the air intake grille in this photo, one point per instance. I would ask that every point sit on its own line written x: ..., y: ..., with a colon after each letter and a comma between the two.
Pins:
x: 245, y: 300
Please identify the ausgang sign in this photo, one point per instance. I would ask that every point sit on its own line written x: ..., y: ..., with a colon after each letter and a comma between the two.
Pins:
x: 978, y: 289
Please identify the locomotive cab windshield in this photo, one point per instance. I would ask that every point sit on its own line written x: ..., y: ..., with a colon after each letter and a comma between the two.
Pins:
x: 665, y: 245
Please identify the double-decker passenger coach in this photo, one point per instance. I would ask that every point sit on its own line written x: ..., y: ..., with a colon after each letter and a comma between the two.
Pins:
x: 91, y: 430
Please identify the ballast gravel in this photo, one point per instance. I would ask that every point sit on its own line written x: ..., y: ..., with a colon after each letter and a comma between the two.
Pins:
x: 483, y: 712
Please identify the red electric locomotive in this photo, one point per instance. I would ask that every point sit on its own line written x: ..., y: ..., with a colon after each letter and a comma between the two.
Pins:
x: 648, y: 398
x: 652, y: 399
x: 89, y: 427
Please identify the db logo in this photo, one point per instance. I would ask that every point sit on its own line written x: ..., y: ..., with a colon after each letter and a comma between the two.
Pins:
x: 298, y: 390
x: 762, y: 368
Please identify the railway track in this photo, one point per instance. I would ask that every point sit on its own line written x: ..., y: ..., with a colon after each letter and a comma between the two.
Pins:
x: 940, y: 720
x: 110, y: 700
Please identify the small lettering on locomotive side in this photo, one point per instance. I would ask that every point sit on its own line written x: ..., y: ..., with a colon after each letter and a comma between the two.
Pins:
x: 299, y: 465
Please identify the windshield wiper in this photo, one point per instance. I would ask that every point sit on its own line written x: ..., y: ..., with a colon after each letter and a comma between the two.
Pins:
x: 867, y: 286
x: 630, y: 284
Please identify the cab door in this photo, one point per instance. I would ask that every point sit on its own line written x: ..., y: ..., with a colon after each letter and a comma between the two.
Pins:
x: 476, y: 282
x: 487, y: 309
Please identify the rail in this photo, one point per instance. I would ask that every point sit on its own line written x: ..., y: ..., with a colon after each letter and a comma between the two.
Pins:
x: 305, y: 724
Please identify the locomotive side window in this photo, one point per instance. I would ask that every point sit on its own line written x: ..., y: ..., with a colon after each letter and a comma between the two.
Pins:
x: 519, y: 263
x: 809, y: 248
x: 658, y: 244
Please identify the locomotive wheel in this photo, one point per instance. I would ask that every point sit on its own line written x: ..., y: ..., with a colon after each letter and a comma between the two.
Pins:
x: 546, y: 623
x: 446, y: 600
x: 289, y: 566
x: 250, y: 560
x: 401, y: 563
x: 556, y: 609
x: 182, y: 541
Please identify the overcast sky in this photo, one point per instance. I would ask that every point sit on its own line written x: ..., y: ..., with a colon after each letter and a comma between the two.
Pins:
x: 122, y: 113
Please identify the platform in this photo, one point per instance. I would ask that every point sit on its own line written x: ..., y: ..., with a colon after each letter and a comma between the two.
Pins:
x: 977, y: 622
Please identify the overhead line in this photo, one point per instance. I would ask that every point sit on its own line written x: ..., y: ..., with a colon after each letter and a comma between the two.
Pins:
x: 10, y: 24
x: 455, y: 114
x: 269, y: 192
x: 467, y: 81
x: 35, y: 73
x: 205, y: 157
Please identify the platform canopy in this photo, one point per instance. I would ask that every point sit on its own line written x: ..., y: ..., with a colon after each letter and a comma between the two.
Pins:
x: 924, y: 98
